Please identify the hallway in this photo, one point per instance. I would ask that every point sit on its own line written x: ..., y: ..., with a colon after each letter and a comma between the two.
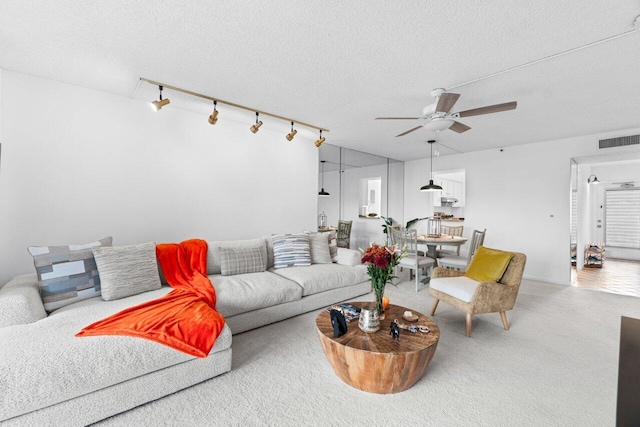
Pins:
x: 616, y: 276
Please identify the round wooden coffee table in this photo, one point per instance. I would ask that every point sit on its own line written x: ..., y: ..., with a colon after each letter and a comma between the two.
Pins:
x: 374, y: 362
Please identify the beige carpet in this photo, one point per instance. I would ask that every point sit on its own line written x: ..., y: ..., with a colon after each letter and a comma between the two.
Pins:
x: 557, y: 366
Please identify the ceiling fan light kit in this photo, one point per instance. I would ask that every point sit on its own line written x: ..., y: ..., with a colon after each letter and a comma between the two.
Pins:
x: 437, y: 116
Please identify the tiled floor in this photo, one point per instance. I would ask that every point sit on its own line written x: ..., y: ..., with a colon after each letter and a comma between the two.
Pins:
x: 615, y: 276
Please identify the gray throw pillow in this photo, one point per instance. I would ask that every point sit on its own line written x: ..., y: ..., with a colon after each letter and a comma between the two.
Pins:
x: 127, y: 270
x: 213, y: 254
x: 319, y: 247
x: 291, y: 250
x: 242, y: 260
x: 67, y: 274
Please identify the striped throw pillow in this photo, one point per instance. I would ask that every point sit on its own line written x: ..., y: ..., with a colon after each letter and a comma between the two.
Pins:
x: 291, y: 250
x: 67, y: 274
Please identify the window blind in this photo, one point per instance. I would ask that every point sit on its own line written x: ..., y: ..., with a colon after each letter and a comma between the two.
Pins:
x: 622, y: 218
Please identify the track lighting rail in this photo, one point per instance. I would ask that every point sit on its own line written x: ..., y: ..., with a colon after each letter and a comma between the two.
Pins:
x: 231, y: 104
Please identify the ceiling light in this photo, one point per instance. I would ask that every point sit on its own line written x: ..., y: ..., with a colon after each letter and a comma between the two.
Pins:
x: 157, y: 105
x: 213, y: 118
x: 322, y: 193
x: 593, y: 180
x: 431, y: 186
x: 256, y: 127
x: 320, y: 140
x: 437, y: 124
x: 291, y: 134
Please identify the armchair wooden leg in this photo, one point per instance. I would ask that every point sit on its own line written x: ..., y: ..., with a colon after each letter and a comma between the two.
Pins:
x: 435, y: 305
x: 505, y: 323
x: 469, y: 320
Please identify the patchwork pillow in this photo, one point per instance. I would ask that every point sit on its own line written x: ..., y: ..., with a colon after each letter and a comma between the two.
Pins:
x: 319, y: 248
x: 127, y: 270
x: 242, y: 260
x: 488, y: 265
x: 291, y: 250
x: 67, y: 274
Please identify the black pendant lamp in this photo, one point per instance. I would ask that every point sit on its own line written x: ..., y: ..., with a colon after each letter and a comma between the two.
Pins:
x: 431, y: 186
x: 323, y: 193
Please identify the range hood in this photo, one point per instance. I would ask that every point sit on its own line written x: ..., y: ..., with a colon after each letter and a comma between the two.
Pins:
x: 448, y: 201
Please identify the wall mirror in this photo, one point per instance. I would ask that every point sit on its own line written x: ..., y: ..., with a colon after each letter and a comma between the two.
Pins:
x: 363, y: 188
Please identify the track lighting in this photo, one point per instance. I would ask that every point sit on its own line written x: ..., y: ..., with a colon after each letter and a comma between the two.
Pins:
x: 213, y: 118
x: 291, y: 134
x: 256, y: 127
x: 320, y: 140
x: 157, y: 105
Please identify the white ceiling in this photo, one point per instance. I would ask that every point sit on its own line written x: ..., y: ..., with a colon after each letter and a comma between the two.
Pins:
x: 338, y: 64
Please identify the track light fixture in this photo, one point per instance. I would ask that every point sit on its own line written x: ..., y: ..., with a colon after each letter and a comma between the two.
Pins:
x: 593, y: 180
x: 320, y: 140
x: 256, y: 127
x: 213, y: 118
x: 291, y: 134
x: 157, y: 105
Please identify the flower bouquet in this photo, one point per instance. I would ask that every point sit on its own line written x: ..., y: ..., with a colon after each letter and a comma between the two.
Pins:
x: 381, y: 262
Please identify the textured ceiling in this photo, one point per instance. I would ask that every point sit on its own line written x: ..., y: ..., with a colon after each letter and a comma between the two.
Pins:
x: 340, y: 64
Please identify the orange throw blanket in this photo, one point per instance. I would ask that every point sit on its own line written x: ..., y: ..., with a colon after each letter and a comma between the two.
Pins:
x: 185, y: 319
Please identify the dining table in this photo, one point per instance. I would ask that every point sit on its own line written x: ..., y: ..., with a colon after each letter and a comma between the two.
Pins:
x: 434, y: 241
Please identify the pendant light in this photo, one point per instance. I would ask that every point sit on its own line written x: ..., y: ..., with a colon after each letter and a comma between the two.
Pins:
x: 322, y: 193
x: 431, y: 186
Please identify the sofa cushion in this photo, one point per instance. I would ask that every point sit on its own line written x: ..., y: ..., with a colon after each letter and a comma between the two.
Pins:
x: 488, y: 265
x: 67, y: 274
x: 291, y: 250
x: 127, y: 270
x: 67, y: 366
x: 460, y: 287
x: 319, y: 248
x: 214, y: 265
x: 242, y: 260
x: 322, y: 277
x: 252, y: 291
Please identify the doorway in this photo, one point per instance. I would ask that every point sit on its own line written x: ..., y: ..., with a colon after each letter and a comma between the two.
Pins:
x: 605, y: 223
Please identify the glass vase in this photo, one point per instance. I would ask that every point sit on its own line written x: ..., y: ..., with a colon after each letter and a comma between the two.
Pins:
x: 378, y: 290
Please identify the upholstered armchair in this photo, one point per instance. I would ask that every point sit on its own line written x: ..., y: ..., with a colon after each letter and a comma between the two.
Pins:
x: 477, y: 297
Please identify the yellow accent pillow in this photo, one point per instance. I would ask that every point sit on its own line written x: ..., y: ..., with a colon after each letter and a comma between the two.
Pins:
x: 488, y: 265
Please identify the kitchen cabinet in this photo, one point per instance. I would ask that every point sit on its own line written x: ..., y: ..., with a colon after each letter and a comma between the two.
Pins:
x: 451, y: 189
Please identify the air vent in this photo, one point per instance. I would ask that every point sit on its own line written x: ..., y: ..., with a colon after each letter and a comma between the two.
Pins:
x: 620, y: 142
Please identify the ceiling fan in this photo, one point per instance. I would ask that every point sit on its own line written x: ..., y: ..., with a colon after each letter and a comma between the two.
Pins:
x: 436, y: 117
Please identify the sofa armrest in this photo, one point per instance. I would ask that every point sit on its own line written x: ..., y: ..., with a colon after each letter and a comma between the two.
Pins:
x: 445, y: 272
x: 349, y: 256
x: 20, y: 301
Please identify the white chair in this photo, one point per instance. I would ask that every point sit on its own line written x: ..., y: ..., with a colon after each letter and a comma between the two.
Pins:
x: 459, y: 262
x: 450, y: 230
x: 413, y: 261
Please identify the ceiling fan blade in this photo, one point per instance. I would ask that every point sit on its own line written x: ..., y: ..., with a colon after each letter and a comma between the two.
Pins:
x: 409, y: 131
x: 489, y: 109
x: 397, y: 118
x: 447, y: 101
x: 459, y: 127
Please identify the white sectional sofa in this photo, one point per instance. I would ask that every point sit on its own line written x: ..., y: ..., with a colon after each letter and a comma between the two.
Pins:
x: 49, y: 376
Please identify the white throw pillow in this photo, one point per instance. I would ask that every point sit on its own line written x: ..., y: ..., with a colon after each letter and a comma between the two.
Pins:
x: 319, y: 247
x: 127, y: 270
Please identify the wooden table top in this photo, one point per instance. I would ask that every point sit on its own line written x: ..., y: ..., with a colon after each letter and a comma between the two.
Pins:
x: 381, y: 341
x: 442, y: 240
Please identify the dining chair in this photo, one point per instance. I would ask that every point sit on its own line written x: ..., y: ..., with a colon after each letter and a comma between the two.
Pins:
x: 460, y: 262
x: 408, y: 240
x: 450, y: 230
x: 344, y: 233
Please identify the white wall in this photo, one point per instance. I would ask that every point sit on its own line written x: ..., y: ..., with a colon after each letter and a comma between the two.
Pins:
x: 78, y: 165
x: 521, y: 196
